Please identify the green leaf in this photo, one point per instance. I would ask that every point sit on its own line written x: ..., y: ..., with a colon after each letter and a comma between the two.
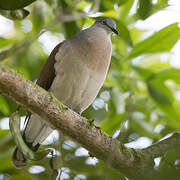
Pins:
x: 160, y: 93
x: 20, y: 177
x: 169, y: 73
x: 110, y: 13
x: 121, y: 2
x: 107, y: 5
x: 4, y: 107
x: 124, y: 32
x: 113, y: 123
x: 38, y: 19
x: 144, y: 9
x: 161, y: 4
x: 5, y: 42
x: 164, y: 99
x: 145, y: 73
x: 15, y: 14
x: 70, y: 28
x: 124, y: 10
x: 161, y: 41
x: 14, y: 4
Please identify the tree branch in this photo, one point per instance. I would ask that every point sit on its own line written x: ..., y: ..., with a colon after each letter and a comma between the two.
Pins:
x: 134, y: 164
x: 160, y: 148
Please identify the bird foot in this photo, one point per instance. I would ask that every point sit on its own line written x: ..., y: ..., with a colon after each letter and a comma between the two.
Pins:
x: 91, y: 122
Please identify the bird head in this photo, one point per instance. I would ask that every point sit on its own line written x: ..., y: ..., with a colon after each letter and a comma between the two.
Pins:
x: 108, y: 24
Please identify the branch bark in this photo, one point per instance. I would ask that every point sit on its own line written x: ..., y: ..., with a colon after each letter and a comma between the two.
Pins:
x: 160, y: 148
x: 134, y: 164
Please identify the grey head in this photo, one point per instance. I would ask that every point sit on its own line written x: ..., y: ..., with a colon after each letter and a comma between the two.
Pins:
x: 107, y: 23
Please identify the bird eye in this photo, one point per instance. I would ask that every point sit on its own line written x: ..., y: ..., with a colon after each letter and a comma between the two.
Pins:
x: 103, y: 22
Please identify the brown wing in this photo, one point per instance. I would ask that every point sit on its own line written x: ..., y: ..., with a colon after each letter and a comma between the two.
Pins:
x: 46, y: 78
x: 47, y: 74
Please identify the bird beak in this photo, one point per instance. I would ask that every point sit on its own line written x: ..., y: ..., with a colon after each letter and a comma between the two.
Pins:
x: 113, y: 29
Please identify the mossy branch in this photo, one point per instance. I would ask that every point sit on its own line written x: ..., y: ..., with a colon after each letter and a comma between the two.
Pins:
x: 134, y: 164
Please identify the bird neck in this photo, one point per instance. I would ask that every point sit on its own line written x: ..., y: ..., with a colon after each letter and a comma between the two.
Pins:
x: 98, y: 29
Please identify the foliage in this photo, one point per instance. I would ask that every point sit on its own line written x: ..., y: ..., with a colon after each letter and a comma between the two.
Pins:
x: 138, y: 97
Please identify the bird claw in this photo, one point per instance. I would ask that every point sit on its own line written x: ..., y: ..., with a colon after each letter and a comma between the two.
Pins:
x: 97, y: 127
x: 14, y: 124
x: 91, y: 122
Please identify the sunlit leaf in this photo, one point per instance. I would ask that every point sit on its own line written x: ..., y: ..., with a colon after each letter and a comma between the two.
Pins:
x: 110, y: 13
x: 121, y: 2
x: 162, y: 2
x: 159, y: 5
x: 161, y: 41
x: 168, y: 74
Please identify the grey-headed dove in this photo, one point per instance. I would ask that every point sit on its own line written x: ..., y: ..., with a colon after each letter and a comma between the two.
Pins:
x: 74, y: 72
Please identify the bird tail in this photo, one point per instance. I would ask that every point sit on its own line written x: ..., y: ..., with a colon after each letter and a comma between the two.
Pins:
x: 18, y: 159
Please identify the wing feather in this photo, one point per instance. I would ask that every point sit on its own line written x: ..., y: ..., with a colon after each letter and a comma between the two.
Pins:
x: 45, y: 81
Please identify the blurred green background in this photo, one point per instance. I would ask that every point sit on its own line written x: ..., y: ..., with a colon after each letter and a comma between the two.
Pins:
x: 140, y: 100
